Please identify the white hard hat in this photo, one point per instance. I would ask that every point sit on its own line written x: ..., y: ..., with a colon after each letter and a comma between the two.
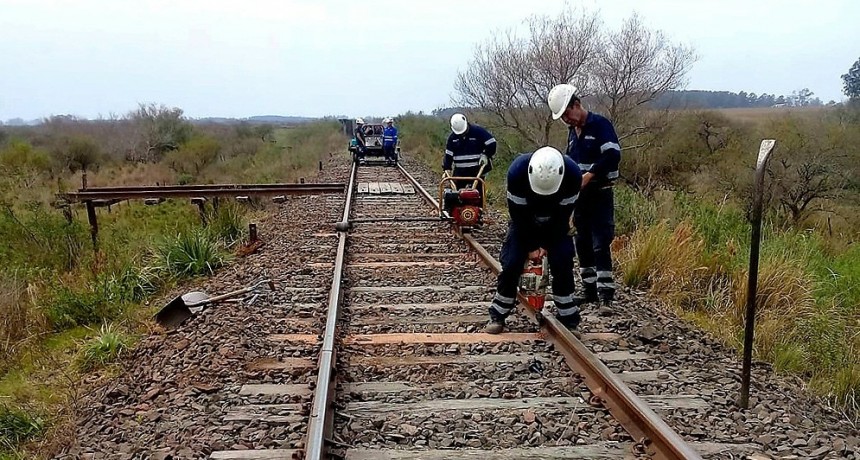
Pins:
x: 459, y: 124
x: 559, y: 98
x: 546, y: 170
x: 388, y: 120
x: 359, y: 121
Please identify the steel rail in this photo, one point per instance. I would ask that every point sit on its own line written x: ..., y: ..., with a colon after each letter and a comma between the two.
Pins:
x: 652, y: 435
x: 321, y: 422
x: 130, y: 193
x: 133, y: 188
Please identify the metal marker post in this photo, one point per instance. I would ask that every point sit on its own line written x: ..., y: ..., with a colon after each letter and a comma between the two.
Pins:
x: 763, y: 154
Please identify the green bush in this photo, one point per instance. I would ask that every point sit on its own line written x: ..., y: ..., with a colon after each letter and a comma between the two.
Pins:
x: 632, y: 210
x: 71, y: 307
x: 17, y: 426
x: 103, y: 349
x: 190, y: 254
x: 100, y: 299
x: 40, y: 238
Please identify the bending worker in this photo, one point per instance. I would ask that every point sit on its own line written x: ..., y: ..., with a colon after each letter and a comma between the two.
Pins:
x: 595, y: 148
x: 389, y: 141
x: 542, y: 189
x: 469, y: 147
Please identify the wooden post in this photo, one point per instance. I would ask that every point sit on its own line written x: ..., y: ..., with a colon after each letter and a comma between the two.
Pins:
x: 320, y: 165
x: 201, y: 208
x: 252, y: 232
x: 94, y: 224
x: 84, y: 180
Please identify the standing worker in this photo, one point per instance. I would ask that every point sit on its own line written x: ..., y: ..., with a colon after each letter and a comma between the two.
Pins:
x: 389, y: 141
x: 469, y: 147
x: 359, y: 138
x: 596, y: 150
x: 542, y: 190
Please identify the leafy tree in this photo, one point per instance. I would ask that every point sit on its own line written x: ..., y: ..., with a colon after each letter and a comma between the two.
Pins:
x: 23, y: 163
x: 159, y: 130
x: 83, y: 154
x: 266, y: 133
x: 195, y: 155
x: 851, y: 81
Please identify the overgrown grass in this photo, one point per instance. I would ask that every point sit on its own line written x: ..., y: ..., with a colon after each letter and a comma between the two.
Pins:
x: 104, y: 349
x: 17, y: 426
x: 54, y: 289
x: 695, y: 258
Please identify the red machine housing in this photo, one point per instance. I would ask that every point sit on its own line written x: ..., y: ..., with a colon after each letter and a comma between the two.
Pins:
x: 533, y: 282
x: 465, y: 206
x: 468, y: 211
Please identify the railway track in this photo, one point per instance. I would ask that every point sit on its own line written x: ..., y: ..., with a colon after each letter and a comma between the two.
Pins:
x: 405, y: 372
x: 371, y: 348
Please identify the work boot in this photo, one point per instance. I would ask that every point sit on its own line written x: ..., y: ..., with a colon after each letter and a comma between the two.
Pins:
x: 606, y: 298
x: 570, y: 321
x: 589, y: 295
x: 495, y: 326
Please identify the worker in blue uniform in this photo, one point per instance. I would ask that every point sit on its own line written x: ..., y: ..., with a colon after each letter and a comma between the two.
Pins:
x: 594, y: 146
x: 389, y: 141
x: 542, y: 189
x: 469, y: 147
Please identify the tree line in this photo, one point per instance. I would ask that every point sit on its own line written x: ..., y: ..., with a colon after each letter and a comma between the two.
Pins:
x: 702, y: 99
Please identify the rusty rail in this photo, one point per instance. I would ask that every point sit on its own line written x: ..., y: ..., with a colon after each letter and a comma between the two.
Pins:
x: 321, y: 421
x: 652, y: 435
x: 176, y: 191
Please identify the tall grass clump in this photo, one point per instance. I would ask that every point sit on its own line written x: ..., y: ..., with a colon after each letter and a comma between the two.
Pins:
x: 19, y: 319
x: 17, y: 426
x: 190, y: 254
x: 103, y: 349
x: 227, y: 223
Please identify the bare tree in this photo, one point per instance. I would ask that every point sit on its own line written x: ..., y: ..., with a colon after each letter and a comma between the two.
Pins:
x: 809, y: 167
x: 510, y: 76
x: 635, y: 65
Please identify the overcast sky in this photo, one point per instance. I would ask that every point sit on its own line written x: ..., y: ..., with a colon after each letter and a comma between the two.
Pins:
x: 316, y: 57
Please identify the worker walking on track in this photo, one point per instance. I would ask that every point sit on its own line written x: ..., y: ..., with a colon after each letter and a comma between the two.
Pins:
x: 596, y: 150
x: 542, y: 189
x: 389, y: 141
x: 469, y: 148
x: 359, y: 137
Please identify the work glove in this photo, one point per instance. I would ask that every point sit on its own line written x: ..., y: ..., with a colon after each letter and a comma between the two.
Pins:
x: 484, y: 161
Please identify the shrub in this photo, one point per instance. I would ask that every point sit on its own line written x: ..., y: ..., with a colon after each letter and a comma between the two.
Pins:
x: 71, y: 307
x: 102, y: 298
